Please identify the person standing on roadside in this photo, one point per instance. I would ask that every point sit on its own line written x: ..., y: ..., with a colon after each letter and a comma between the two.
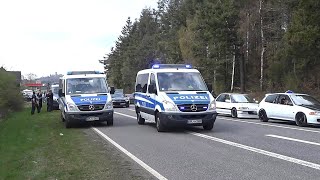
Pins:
x: 34, y: 101
x: 49, y: 101
x: 39, y: 96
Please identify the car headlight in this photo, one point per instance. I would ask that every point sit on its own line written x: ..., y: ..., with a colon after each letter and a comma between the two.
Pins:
x: 243, y: 108
x: 108, y: 105
x: 168, y: 106
x: 72, y: 107
x: 212, y: 105
x: 314, y: 113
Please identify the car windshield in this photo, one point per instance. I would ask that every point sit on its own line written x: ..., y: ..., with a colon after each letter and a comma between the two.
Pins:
x: 181, y: 81
x: 304, y: 100
x: 117, y: 95
x: 86, y: 86
x: 241, y: 98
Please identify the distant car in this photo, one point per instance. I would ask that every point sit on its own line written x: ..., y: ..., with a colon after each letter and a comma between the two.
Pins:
x: 119, y: 100
x: 236, y: 105
x: 301, y: 108
x: 131, y: 98
x: 55, y: 90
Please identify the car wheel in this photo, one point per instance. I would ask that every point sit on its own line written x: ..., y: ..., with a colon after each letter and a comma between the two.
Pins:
x: 234, y: 113
x: 208, y: 126
x: 263, y: 116
x: 160, y: 126
x: 301, y: 120
x: 140, y: 120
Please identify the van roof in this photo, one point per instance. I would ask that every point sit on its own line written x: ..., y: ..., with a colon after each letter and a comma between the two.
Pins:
x: 83, y: 76
x: 166, y: 70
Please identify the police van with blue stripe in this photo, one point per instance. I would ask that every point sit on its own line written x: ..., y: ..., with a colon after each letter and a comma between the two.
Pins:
x: 85, y: 96
x: 173, y: 95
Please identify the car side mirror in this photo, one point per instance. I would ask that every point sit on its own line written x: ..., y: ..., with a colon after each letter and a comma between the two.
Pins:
x: 112, y: 90
x: 60, y: 93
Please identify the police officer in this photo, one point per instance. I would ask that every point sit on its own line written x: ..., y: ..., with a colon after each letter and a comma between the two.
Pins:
x: 49, y: 101
x: 34, y: 101
x: 39, y: 96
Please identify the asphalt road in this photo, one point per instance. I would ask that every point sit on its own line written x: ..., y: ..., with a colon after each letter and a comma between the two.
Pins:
x: 234, y: 149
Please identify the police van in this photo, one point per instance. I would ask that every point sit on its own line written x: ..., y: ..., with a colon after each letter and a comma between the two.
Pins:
x: 172, y: 95
x: 85, y: 96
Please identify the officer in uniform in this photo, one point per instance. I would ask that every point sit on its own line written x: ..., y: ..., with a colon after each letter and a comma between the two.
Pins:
x: 49, y: 101
x: 34, y: 101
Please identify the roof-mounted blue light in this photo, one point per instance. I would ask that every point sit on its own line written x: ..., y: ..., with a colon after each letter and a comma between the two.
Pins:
x: 171, y: 66
x: 289, y: 91
x: 69, y: 73
x: 156, y: 66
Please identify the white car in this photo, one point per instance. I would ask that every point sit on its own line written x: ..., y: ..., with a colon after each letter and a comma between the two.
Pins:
x: 236, y: 105
x: 301, y: 108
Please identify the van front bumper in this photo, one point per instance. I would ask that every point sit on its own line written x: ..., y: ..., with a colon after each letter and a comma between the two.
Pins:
x: 178, y: 119
x: 84, y: 116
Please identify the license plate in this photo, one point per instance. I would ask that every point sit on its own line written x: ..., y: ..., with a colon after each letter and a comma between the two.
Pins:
x: 92, y: 118
x: 195, y: 121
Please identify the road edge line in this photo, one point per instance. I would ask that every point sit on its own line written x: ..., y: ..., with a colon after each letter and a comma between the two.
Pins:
x: 133, y: 157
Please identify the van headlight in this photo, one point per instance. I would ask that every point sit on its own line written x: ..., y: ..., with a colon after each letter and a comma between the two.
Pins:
x: 72, y: 107
x: 168, y: 106
x: 108, y: 105
x: 212, y: 105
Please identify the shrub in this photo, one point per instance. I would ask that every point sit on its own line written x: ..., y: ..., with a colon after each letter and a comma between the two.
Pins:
x: 10, y: 96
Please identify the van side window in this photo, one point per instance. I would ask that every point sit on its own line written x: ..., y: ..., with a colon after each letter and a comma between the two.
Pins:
x: 271, y: 98
x: 152, y: 81
x: 142, y: 82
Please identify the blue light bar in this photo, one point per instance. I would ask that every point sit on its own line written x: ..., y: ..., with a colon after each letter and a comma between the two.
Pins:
x: 171, y: 66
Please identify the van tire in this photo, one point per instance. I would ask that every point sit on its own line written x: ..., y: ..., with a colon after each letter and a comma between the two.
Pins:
x: 67, y: 123
x: 159, y: 124
x: 61, y: 116
x: 208, y: 126
x: 140, y: 120
x: 110, y: 122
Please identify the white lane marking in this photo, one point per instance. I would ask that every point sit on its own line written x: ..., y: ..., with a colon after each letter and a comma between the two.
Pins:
x: 137, y: 160
x: 260, y: 151
x: 125, y: 115
x: 292, y: 139
x: 270, y: 125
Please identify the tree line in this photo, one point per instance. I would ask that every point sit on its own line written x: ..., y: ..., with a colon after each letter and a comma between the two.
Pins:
x: 237, y: 45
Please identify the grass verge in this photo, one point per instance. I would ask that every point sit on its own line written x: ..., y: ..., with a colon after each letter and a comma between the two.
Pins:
x: 39, y: 147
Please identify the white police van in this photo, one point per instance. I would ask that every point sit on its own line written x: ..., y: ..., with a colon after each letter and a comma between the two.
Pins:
x: 172, y: 95
x: 85, y: 96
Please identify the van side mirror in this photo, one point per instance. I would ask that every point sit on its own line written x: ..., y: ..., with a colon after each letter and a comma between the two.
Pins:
x: 60, y: 93
x: 112, y: 90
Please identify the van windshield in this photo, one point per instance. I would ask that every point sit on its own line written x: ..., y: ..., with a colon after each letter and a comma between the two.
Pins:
x: 86, y: 86
x: 181, y: 81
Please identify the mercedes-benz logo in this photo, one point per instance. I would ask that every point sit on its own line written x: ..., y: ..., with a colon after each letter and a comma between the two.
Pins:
x: 91, y: 107
x: 193, y: 107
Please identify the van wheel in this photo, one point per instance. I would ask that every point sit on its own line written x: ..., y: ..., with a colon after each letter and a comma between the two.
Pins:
x: 263, y: 116
x: 140, y: 120
x: 301, y: 120
x: 160, y: 126
x: 208, y: 126
x: 67, y: 123
x: 234, y: 113
x: 110, y: 122
x: 61, y: 116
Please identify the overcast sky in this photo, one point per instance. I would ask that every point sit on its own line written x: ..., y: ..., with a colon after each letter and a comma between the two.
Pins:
x: 61, y: 35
